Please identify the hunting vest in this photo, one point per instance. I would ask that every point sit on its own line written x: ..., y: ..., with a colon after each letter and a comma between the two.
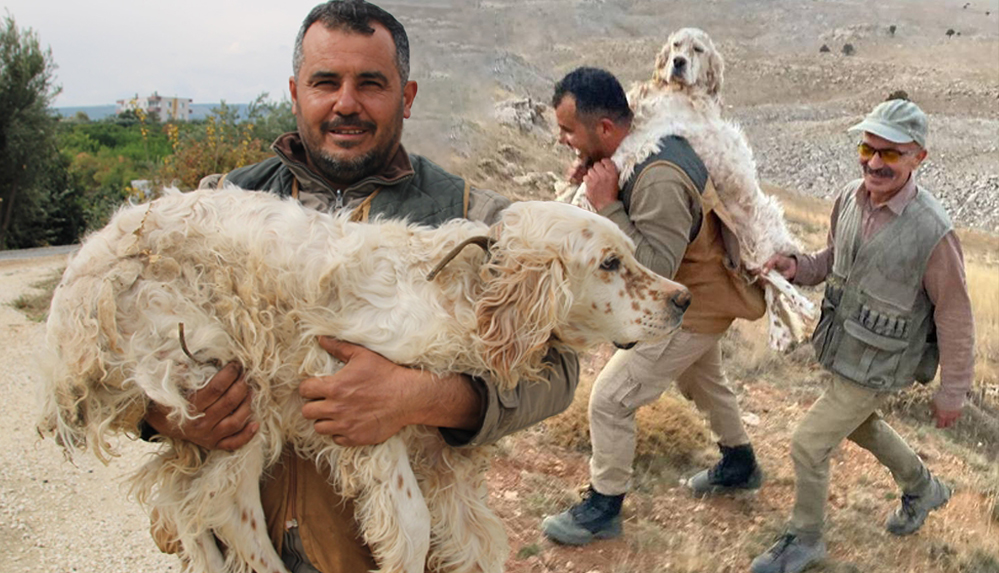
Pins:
x: 877, y: 327
x: 711, y: 267
x: 295, y: 493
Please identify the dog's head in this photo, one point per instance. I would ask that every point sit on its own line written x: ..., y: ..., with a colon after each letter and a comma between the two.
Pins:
x: 689, y: 62
x: 560, y: 272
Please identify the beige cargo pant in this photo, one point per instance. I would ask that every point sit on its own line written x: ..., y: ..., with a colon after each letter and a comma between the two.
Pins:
x: 635, y: 377
x: 845, y: 410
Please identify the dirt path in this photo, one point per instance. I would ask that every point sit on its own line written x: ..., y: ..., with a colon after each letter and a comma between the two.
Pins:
x: 57, y: 517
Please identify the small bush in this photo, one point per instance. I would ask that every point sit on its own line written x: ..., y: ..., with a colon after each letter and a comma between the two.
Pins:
x: 848, y: 50
x: 824, y: 49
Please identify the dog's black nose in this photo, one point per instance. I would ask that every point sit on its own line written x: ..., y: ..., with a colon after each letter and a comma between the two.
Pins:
x: 680, y: 300
x: 679, y: 62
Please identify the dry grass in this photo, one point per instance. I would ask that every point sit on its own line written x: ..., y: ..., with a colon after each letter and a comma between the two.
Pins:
x: 983, y: 287
x: 36, y: 305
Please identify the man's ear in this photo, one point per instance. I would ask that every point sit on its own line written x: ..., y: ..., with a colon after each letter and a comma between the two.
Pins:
x: 293, y: 88
x: 408, y: 95
x: 605, y: 126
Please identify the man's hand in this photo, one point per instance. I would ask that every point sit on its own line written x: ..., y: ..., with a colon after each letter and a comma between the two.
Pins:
x: 371, y: 398
x: 225, y: 403
x: 576, y: 171
x: 601, y: 184
x: 944, y: 418
x: 783, y: 264
x: 365, y: 402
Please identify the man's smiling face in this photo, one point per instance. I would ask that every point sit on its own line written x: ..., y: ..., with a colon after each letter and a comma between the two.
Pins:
x: 349, y: 101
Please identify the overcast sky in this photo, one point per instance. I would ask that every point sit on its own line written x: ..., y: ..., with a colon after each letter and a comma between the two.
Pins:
x: 206, y: 50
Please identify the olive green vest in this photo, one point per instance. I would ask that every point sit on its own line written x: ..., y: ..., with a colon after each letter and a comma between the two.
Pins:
x: 430, y: 196
x: 877, y: 327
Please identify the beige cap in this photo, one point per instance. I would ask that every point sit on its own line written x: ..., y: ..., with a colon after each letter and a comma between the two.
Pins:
x: 896, y: 120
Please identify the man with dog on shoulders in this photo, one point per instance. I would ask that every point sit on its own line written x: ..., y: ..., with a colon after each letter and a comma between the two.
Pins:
x: 350, y: 93
x: 670, y: 209
x: 896, y: 305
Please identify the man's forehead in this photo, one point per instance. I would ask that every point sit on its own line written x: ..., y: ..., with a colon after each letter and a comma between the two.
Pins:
x: 566, y: 109
x: 327, y: 45
x: 882, y: 143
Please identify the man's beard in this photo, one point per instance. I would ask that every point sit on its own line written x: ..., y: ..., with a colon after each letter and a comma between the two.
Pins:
x: 350, y: 171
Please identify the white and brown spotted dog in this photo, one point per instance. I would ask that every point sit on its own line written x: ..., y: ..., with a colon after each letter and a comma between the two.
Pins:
x: 255, y: 278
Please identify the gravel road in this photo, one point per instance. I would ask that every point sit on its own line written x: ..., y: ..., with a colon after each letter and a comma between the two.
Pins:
x: 57, y: 516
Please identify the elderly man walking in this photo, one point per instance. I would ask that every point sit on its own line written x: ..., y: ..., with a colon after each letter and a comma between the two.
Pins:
x: 896, y: 305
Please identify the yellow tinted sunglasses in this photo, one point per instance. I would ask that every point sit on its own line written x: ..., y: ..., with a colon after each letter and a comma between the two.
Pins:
x: 889, y: 156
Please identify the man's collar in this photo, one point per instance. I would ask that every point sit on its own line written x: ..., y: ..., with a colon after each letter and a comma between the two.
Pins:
x: 898, y: 201
x: 291, y: 150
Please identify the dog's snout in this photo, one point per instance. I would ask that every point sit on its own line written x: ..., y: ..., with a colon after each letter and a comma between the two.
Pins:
x: 680, y: 300
x: 679, y: 62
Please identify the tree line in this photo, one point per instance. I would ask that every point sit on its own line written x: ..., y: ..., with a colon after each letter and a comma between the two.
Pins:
x: 62, y: 176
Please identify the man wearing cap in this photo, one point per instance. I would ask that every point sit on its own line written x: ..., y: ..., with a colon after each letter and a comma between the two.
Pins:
x: 896, y: 305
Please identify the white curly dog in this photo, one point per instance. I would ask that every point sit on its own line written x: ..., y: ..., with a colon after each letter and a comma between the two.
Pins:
x: 684, y: 98
x: 254, y: 278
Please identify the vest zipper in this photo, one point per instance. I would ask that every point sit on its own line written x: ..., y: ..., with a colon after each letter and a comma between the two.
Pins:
x: 339, y: 200
x: 292, y: 522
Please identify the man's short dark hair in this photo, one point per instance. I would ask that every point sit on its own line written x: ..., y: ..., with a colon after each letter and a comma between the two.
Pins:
x: 597, y: 93
x: 355, y: 16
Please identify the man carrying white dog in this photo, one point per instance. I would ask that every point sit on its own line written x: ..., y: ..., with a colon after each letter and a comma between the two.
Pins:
x: 670, y: 209
x: 350, y: 93
x: 896, y: 303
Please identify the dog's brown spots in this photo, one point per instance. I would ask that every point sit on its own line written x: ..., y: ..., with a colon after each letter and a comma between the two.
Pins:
x: 594, y: 305
x: 607, y: 309
x: 401, y: 482
x: 244, y: 516
x: 253, y: 556
x: 587, y: 234
x: 635, y: 305
x: 253, y: 524
x: 409, y: 493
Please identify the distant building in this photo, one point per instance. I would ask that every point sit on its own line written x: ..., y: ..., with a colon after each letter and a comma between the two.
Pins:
x: 166, y: 108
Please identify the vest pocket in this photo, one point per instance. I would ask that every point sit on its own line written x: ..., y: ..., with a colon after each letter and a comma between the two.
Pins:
x: 868, y: 358
x: 823, y: 330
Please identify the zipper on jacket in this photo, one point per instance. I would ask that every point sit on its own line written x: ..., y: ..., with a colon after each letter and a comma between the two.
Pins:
x: 339, y: 200
x: 292, y: 494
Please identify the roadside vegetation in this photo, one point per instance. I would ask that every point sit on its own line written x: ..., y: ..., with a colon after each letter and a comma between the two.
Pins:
x: 62, y: 176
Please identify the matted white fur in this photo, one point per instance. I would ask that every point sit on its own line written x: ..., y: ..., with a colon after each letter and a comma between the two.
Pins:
x: 255, y: 278
x: 684, y: 99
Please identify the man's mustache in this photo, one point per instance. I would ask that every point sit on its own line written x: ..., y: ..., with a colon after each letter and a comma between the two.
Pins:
x: 351, y: 121
x: 883, y: 172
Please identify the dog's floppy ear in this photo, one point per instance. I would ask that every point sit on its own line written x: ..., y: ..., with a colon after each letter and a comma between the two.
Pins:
x: 660, y: 76
x: 716, y: 71
x: 524, y: 299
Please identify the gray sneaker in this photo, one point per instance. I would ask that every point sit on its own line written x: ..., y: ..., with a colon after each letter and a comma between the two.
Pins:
x: 598, y: 516
x: 908, y: 518
x: 789, y: 555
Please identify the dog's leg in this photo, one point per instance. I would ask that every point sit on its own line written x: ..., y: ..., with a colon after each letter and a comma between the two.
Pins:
x: 467, y: 537
x: 391, y: 511
x: 240, y: 521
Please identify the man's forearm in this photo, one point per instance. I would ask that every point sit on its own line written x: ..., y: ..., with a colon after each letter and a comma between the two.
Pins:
x: 506, y: 412
x: 455, y: 403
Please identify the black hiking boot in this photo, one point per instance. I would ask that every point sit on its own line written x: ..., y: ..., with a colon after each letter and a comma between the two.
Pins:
x: 737, y: 471
x: 598, y: 516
